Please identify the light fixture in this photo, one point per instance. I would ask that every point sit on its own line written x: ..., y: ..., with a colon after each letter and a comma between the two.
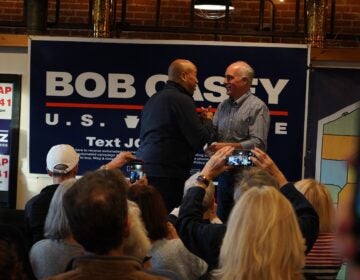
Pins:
x: 212, y: 9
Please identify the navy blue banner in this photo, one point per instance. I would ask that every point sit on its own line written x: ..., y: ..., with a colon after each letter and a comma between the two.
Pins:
x: 90, y: 93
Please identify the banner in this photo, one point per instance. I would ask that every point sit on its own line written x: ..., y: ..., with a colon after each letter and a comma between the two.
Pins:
x: 90, y: 93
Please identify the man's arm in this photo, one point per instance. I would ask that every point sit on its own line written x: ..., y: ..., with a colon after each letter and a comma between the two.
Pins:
x: 196, y: 131
x: 202, y: 239
x: 119, y: 161
x: 305, y: 212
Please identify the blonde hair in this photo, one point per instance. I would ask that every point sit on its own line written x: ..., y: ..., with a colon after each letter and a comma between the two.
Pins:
x: 320, y: 198
x: 262, y: 240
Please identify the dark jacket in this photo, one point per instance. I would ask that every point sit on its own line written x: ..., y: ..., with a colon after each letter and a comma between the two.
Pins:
x: 36, y: 210
x: 171, y: 133
x: 205, y: 240
x: 111, y: 268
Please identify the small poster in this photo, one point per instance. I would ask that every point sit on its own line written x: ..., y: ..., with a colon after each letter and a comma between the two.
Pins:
x: 4, y: 172
x: 10, y: 86
x: 6, y: 95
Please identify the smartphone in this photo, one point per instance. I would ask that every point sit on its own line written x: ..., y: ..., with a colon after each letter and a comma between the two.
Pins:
x: 240, y: 158
x: 135, y: 170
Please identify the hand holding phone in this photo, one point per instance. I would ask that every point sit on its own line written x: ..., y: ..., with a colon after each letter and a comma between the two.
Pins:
x: 135, y: 170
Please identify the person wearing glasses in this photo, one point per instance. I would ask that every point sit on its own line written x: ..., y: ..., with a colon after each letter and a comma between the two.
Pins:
x: 242, y: 121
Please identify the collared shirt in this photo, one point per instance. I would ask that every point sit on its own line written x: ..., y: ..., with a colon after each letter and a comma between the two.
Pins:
x: 245, y: 121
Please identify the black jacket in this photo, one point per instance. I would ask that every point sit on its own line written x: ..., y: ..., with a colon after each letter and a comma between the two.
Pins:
x: 205, y: 240
x: 36, y: 210
x: 171, y: 133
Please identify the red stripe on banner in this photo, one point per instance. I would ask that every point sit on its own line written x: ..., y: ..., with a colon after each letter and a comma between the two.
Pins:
x: 128, y: 107
x: 93, y: 106
x: 211, y: 109
x: 279, y: 113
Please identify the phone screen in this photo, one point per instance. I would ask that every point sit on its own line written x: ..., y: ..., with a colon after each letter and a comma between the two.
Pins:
x: 135, y: 171
x: 240, y: 158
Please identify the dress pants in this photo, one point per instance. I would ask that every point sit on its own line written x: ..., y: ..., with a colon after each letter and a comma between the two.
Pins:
x: 171, y: 189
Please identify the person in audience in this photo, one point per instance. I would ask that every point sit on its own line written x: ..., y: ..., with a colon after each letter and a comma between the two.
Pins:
x: 306, y: 215
x: 62, y: 163
x: 324, y: 259
x: 11, y: 267
x: 167, y: 251
x: 97, y: 210
x: 204, y: 240
x: 263, y: 239
x: 208, y: 204
x: 14, y: 254
x: 137, y: 244
x: 52, y: 255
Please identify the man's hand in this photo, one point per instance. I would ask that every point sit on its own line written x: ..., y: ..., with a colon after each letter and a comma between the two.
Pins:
x: 265, y: 162
x: 142, y: 182
x: 120, y: 160
x: 216, y: 164
x: 215, y: 146
x: 205, y: 113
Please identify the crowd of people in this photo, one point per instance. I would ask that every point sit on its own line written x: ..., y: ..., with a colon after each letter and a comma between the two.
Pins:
x: 167, y: 224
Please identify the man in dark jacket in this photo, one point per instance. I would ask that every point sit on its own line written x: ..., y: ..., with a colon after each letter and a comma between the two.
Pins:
x: 172, y: 132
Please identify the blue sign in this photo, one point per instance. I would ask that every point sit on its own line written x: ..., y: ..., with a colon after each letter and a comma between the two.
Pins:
x: 90, y: 93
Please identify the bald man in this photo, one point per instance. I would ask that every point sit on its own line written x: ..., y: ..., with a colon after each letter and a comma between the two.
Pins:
x: 172, y: 132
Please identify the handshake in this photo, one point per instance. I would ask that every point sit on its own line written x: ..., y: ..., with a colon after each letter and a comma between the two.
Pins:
x: 206, y: 113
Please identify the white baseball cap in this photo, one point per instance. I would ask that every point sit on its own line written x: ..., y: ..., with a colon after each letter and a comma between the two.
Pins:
x: 62, y: 154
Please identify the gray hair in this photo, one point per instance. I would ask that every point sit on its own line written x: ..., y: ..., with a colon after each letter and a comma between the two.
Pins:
x: 245, y: 69
x: 252, y: 177
x: 137, y: 244
x: 56, y: 223
x: 209, y: 191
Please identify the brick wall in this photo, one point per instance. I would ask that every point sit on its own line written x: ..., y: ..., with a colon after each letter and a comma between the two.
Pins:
x: 243, y: 24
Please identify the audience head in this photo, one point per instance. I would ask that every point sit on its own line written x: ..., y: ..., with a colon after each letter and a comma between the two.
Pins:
x: 183, y: 72
x: 137, y: 244
x: 56, y: 223
x: 11, y: 267
x: 62, y: 161
x: 96, y: 207
x: 209, y: 191
x: 263, y: 238
x: 153, y: 210
x: 320, y: 198
x: 252, y: 177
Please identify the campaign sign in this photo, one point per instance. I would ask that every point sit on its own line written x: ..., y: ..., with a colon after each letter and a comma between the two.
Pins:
x: 6, y: 94
x: 90, y: 92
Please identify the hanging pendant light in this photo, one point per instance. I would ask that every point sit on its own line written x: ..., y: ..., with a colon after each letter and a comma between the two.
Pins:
x: 212, y: 9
